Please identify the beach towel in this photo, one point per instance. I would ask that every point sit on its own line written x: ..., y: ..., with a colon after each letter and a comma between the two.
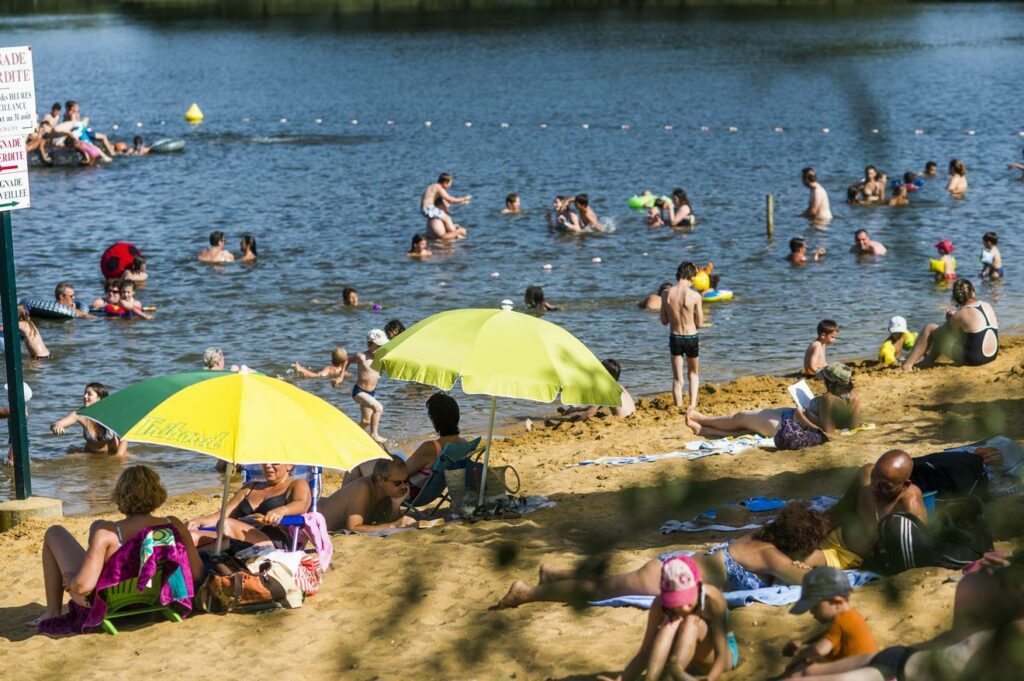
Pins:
x: 770, y: 595
x: 315, y: 530
x: 509, y: 504
x: 696, y: 449
x: 138, y: 557
x: 704, y: 522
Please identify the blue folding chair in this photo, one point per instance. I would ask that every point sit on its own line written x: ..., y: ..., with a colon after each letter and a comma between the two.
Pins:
x: 453, y: 456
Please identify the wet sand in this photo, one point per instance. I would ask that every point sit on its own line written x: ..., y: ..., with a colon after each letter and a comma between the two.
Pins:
x: 414, y: 605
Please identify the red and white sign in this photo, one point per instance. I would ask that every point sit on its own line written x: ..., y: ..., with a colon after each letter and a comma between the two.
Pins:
x: 17, y: 91
x: 14, y: 192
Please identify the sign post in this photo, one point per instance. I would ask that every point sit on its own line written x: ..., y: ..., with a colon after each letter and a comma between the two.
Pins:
x: 17, y: 120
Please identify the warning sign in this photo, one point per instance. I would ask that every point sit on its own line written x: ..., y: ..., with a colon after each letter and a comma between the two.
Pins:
x: 14, y: 194
x: 17, y: 91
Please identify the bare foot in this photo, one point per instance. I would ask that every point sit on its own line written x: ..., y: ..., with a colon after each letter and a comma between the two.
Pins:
x: 691, y: 422
x: 378, y: 439
x: 517, y: 594
x: 529, y: 425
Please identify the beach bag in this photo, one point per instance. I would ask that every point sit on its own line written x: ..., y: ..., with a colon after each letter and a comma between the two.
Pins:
x: 309, y: 576
x: 230, y: 587
x: 793, y: 436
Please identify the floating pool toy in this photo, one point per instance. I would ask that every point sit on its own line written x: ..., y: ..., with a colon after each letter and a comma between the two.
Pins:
x: 887, y: 353
x: 716, y: 295
x: 702, y: 280
x: 166, y: 145
x: 110, y: 310
x: 194, y: 114
x: 938, y: 266
x: 118, y: 258
x: 644, y: 201
x: 49, y: 308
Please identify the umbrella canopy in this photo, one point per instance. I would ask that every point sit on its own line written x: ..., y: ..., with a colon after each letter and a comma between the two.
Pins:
x: 500, y: 353
x: 240, y: 418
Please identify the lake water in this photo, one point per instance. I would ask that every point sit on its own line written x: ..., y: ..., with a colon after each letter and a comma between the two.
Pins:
x: 334, y: 203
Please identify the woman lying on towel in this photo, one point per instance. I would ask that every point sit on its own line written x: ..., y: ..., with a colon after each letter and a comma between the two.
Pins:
x: 68, y: 567
x: 257, y: 509
x: 778, y: 553
x: 792, y: 428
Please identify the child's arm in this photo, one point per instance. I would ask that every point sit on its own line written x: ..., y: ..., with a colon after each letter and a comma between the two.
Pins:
x: 719, y: 631
x: 698, y: 312
x: 814, y: 650
x: 303, y: 371
x: 811, y: 357
x: 663, y: 313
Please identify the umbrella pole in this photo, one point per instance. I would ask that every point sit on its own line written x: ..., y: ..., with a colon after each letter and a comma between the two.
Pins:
x: 229, y: 472
x: 487, y: 451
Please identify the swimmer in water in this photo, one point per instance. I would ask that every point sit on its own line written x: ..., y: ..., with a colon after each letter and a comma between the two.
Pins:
x: 534, y: 299
x: 247, y: 245
x: 659, y: 214
x: 680, y: 210
x: 798, y: 252
x: 216, y: 253
x: 818, y: 209
x: 1018, y: 166
x: 945, y: 251
x: 337, y: 370
x: 900, y: 196
x: 587, y: 217
x: 419, y: 248
x: 653, y: 301
x: 431, y: 211
x: 863, y: 244
x: 991, y: 258
x: 30, y: 335
x: 512, y: 205
x: 129, y: 302
x: 137, y: 271
x: 393, y: 328
x: 349, y: 297
x: 957, y: 185
x: 138, y: 148
x: 111, y: 295
x: 98, y: 440
x: 931, y: 169
x: 560, y: 211
x: 364, y: 392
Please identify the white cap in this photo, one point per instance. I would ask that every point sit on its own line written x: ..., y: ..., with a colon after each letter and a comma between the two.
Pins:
x: 507, y: 305
x: 27, y: 390
x: 897, y: 325
x: 377, y: 337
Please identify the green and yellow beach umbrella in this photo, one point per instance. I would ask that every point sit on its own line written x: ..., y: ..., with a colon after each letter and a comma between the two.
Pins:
x: 500, y: 353
x: 241, y: 418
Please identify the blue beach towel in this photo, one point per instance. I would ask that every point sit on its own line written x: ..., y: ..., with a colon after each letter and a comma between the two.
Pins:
x: 700, y: 522
x: 769, y: 595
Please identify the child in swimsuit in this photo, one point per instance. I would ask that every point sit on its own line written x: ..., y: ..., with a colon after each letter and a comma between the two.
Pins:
x: 364, y: 392
x: 337, y: 370
x: 945, y: 250
x: 670, y: 639
x: 991, y: 258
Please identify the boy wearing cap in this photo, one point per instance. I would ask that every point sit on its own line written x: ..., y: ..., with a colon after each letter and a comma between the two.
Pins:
x: 687, y: 629
x: 899, y: 339
x: 364, y: 392
x: 814, y: 357
x: 825, y: 593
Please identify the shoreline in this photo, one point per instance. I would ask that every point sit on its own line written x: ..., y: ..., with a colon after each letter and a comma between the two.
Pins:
x: 429, y: 590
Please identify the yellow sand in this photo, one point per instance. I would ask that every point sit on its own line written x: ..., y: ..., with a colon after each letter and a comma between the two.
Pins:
x: 414, y: 606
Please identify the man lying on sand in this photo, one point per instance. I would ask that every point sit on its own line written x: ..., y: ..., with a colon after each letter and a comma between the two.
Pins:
x: 879, y: 490
x: 370, y: 503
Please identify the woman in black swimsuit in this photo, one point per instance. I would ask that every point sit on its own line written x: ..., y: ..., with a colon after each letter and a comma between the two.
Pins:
x: 256, y: 510
x: 970, y: 335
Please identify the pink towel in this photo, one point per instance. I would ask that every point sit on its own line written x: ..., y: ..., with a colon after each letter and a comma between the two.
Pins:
x: 315, y: 530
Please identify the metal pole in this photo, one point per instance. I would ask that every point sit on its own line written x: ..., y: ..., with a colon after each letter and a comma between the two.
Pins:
x: 487, y: 452
x: 770, y: 215
x: 12, y: 358
x: 229, y: 472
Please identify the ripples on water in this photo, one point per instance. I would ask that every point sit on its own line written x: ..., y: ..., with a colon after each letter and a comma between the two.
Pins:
x: 335, y: 204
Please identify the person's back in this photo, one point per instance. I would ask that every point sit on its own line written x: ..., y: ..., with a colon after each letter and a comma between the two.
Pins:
x: 680, y: 307
x: 976, y: 317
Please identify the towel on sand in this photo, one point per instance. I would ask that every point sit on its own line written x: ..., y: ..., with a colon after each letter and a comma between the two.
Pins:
x: 702, y: 521
x: 769, y: 595
x: 693, y: 450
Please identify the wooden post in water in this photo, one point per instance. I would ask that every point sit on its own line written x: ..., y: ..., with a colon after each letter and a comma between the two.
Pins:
x: 770, y: 215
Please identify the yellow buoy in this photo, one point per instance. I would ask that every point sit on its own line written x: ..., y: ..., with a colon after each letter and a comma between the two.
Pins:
x: 194, y: 114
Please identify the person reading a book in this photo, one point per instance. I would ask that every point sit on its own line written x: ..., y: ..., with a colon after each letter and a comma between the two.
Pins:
x: 805, y: 425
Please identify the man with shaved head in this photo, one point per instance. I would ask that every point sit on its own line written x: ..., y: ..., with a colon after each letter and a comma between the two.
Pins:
x: 878, y: 491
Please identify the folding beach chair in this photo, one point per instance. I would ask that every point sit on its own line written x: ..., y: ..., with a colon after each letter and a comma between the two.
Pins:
x: 311, y: 474
x: 435, y: 488
x: 124, y: 600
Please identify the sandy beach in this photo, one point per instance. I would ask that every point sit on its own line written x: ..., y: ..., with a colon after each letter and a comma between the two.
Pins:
x: 414, y: 605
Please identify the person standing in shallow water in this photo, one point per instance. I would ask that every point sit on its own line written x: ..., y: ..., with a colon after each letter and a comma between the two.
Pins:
x: 818, y: 209
x: 682, y: 312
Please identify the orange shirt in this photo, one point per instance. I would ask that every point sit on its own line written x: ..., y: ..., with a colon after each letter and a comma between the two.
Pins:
x: 849, y: 635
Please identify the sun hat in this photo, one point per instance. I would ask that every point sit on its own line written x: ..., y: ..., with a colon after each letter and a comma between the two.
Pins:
x: 838, y: 374
x: 897, y: 325
x: 680, y: 582
x: 946, y: 246
x: 377, y: 337
x: 821, y: 584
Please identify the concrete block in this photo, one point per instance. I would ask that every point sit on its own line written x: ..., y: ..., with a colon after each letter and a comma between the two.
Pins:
x: 18, y: 511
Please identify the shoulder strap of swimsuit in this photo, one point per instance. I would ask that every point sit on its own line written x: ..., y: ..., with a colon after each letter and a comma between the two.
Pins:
x: 981, y: 309
x: 437, y: 446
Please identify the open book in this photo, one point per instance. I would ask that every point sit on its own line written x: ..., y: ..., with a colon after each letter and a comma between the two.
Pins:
x: 801, y: 393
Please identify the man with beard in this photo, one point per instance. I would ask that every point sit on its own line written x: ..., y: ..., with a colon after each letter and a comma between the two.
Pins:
x: 878, y: 491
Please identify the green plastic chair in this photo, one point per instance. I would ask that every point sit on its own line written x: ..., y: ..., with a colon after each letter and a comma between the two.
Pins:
x: 125, y: 600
